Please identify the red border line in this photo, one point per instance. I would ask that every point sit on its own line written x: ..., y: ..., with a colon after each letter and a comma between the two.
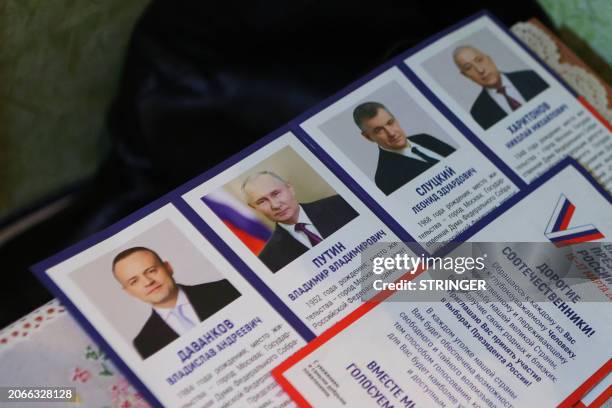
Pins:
x: 278, y: 371
x: 605, y: 396
x: 574, y: 398
x: 572, y: 401
x: 594, y: 112
x: 338, y: 327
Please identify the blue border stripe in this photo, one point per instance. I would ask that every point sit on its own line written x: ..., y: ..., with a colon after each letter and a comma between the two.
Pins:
x: 475, y: 140
x: 515, y: 199
x: 39, y: 271
x: 244, y: 270
x: 396, y: 62
x: 355, y: 187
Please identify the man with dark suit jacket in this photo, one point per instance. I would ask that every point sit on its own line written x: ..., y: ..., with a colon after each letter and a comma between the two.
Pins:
x: 176, y: 308
x: 502, y: 93
x: 401, y: 158
x: 299, y: 227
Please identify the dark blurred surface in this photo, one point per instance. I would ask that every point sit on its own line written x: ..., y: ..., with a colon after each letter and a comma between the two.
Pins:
x: 203, y: 81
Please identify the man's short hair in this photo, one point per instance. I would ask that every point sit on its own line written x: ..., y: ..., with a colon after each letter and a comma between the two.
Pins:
x: 367, y: 110
x: 252, y: 177
x: 461, y: 48
x: 127, y: 252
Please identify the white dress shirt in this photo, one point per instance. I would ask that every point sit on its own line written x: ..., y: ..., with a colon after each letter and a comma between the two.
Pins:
x: 512, y: 92
x: 170, y: 315
x: 300, y: 236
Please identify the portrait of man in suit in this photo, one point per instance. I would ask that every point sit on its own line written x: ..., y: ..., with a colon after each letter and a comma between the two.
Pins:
x: 502, y: 92
x: 299, y: 226
x: 175, y: 308
x: 401, y: 158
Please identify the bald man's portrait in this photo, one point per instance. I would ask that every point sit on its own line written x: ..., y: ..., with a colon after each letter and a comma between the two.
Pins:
x: 298, y: 227
x: 175, y: 308
x: 502, y: 92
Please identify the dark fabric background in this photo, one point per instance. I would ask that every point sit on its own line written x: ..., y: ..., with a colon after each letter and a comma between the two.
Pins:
x: 203, y: 80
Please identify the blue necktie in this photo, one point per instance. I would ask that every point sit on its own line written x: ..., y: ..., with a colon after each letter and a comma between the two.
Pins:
x: 184, y: 320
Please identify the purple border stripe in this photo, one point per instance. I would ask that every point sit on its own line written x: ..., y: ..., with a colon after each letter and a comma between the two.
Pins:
x: 244, y: 270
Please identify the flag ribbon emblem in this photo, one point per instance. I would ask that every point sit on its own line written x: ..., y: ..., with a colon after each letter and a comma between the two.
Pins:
x: 559, y: 231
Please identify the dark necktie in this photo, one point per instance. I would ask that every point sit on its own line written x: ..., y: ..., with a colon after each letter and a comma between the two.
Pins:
x: 423, y: 156
x: 513, y: 103
x: 312, y: 237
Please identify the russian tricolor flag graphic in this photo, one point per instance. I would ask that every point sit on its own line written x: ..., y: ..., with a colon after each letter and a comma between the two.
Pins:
x: 559, y: 231
x: 240, y: 219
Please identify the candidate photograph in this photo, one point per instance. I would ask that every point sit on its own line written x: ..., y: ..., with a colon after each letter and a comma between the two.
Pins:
x: 401, y: 158
x: 389, y: 137
x: 281, y: 209
x: 489, y: 80
x: 152, y: 293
